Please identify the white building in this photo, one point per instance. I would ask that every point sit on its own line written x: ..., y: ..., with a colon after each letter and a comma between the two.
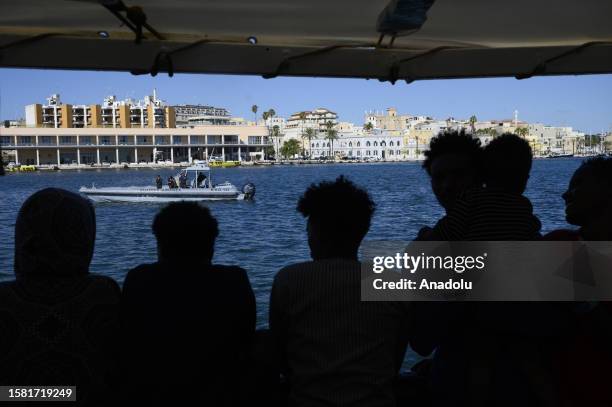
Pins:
x: 316, y: 119
x: 381, y: 146
x: 556, y: 140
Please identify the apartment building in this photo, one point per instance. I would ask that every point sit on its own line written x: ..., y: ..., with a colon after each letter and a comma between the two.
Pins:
x: 150, y: 112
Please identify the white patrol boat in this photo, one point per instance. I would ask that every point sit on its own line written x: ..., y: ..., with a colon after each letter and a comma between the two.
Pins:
x: 192, y: 184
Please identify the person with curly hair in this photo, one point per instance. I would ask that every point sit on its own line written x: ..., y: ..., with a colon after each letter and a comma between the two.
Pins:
x: 334, y: 348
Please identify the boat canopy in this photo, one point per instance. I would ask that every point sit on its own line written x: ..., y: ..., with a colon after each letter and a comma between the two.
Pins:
x: 197, y: 168
x: 374, y: 39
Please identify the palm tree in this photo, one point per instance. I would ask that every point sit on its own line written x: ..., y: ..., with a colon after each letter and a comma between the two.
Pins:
x: 265, y: 115
x: 368, y: 126
x: 254, y: 109
x: 275, y: 134
x: 271, y: 113
x: 332, y: 134
x: 290, y: 148
x: 473, y: 121
x: 522, y: 132
x: 309, y: 134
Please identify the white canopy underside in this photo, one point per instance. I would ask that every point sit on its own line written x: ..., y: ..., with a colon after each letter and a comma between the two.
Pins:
x: 461, y: 38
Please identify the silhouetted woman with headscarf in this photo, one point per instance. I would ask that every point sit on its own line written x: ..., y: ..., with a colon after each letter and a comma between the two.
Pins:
x: 58, y: 323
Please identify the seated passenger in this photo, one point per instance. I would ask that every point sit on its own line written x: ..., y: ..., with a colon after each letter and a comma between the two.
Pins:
x: 334, y: 348
x: 584, y: 360
x: 588, y: 202
x: 498, y: 210
x: 482, y: 348
x: 189, y: 323
x: 59, y: 325
x: 453, y: 162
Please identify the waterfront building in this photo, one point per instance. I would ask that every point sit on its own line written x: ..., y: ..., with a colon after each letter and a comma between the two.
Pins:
x: 194, y: 115
x: 316, y: 119
x: 554, y: 140
x: 100, y: 146
x: 377, y: 146
x: 391, y: 122
x: 274, y: 121
x: 150, y: 112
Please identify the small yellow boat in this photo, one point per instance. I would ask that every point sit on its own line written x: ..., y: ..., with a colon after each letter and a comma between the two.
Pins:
x: 224, y: 164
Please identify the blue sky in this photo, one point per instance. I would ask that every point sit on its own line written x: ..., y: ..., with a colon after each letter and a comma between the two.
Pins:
x: 584, y: 102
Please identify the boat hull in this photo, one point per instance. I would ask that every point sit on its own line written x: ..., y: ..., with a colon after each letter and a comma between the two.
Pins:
x: 156, y: 195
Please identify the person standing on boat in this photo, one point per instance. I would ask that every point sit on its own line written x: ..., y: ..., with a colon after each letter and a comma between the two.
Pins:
x: 171, y: 183
x: 158, y: 182
x: 201, y: 180
x: 183, y: 180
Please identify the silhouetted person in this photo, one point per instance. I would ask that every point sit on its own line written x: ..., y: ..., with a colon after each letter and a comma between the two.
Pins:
x: 490, y: 353
x: 201, y: 180
x: 585, y: 358
x: 158, y: 182
x: 189, y: 323
x: 588, y: 202
x: 334, y: 348
x: 183, y: 180
x: 498, y: 210
x: 59, y: 325
x: 172, y: 183
x: 453, y: 162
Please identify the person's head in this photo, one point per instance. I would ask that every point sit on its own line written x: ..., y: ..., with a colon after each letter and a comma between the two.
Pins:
x: 185, y: 232
x: 339, y: 215
x: 453, y: 163
x: 589, y: 194
x: 54, y: 235
x: 507, y: 163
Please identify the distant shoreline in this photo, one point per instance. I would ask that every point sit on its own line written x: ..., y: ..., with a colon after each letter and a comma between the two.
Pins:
x: 83, y: 167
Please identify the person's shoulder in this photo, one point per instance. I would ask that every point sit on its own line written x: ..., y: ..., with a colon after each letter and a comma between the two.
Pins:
x: 104, y: 281
x: 295, y: 268
x: 308, y: 267
x: 562, y: 235
x: 141, y: 272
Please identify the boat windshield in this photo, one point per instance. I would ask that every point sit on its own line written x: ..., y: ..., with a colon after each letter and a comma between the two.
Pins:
x: 195, y: 178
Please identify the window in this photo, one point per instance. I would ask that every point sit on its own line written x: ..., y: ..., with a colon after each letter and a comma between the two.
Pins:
x: 368, y: 144
x: 376, y: 144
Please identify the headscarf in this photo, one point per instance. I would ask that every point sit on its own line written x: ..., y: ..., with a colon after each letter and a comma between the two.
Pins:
x: 54, y: 235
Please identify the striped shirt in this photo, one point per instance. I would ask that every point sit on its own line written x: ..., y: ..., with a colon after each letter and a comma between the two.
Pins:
x: 489, y: 214
x: 336, y: 350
